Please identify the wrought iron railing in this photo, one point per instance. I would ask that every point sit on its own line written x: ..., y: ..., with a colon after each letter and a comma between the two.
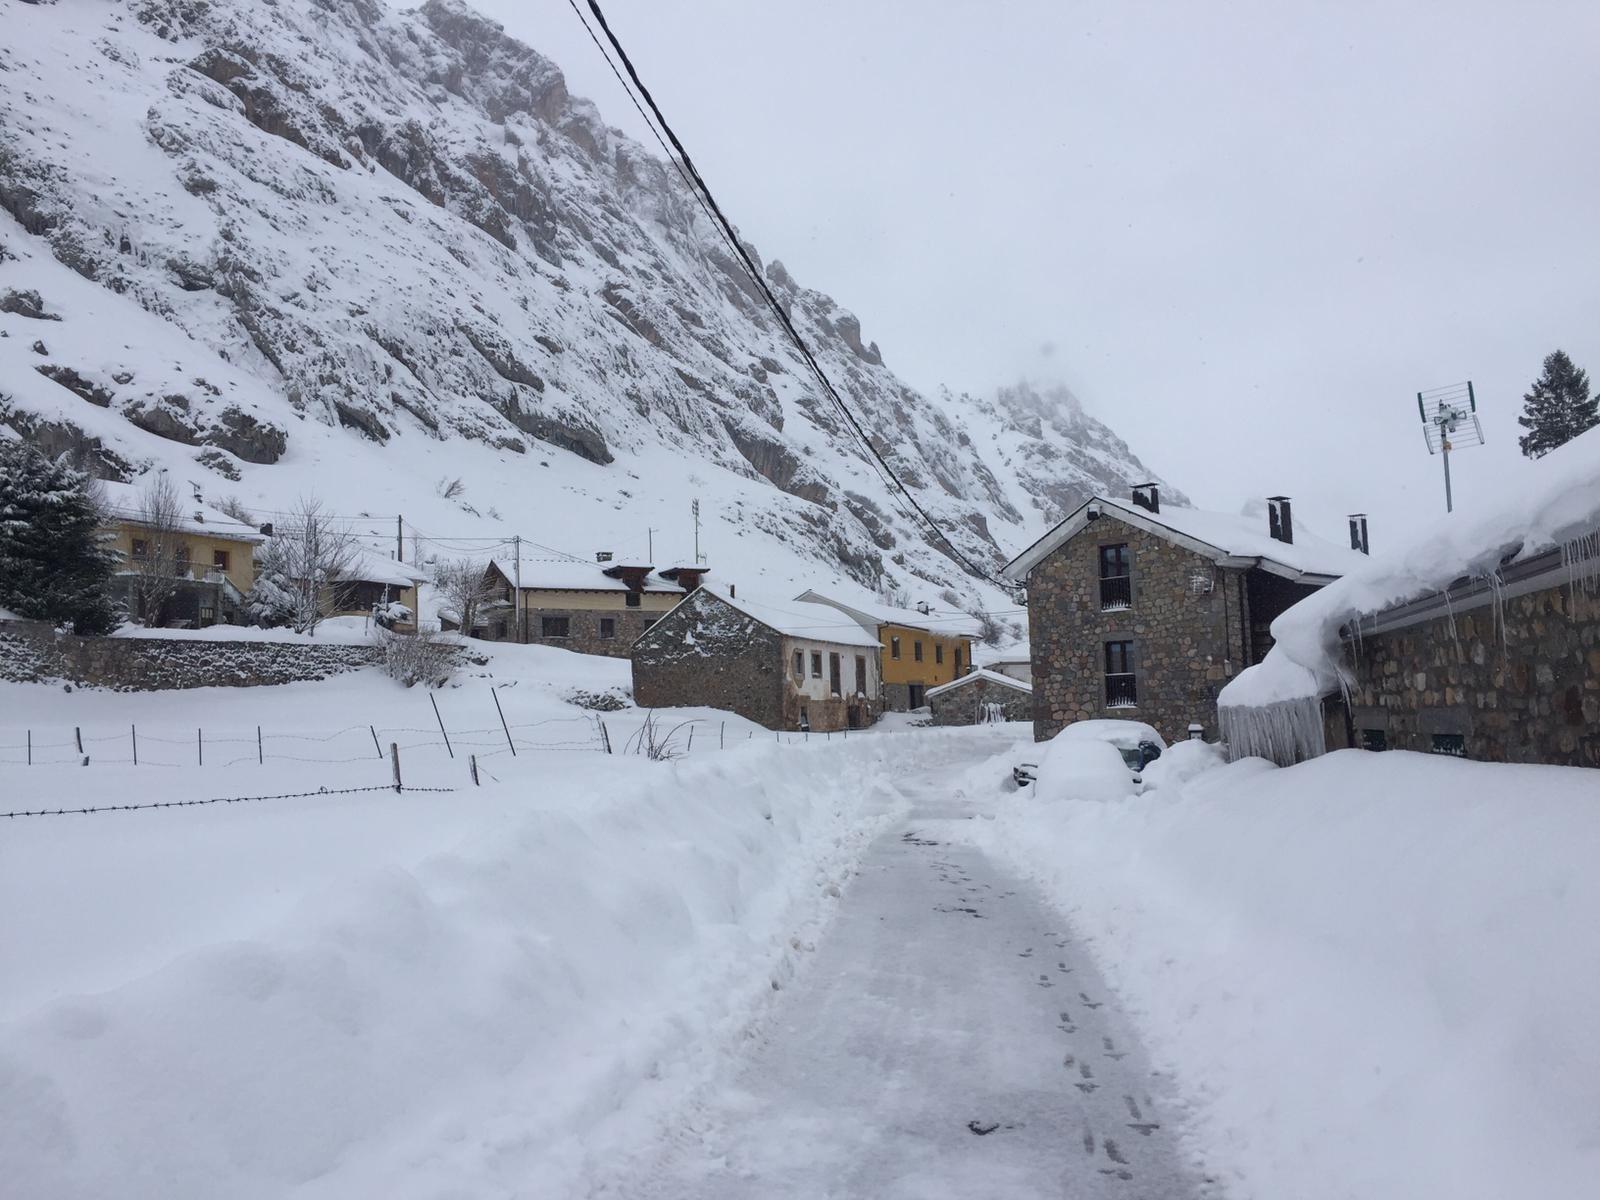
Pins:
x: 1121, y: 691
x: 1116, y: 591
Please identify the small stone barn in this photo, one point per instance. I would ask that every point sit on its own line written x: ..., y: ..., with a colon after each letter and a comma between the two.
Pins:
x: 784, y: 664
x: 981, y: 697
x: 1145, y: 611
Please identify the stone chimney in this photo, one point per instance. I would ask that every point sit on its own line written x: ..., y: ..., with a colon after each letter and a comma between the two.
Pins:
x: 1358, y: 532
x: 1147, y: 496
x: 1280, y: 522
x: 601, y: 556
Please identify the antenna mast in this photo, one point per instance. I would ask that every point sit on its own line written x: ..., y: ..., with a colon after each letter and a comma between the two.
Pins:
x: 1450, y: 422
x: 694, y: 507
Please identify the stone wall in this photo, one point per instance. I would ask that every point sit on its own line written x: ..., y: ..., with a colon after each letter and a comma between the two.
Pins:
x: 966, y: 704
x: 1527, y: 691
x: 1188, y: 641
x: 30, y: 653
x: 707, y: 653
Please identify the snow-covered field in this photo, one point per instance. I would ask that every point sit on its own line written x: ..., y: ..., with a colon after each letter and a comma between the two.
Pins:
x: 466, y: 993
x: 1373, y: 976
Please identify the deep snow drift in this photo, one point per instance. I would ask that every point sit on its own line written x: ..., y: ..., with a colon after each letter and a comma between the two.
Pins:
x: 479, y: 992
x: 1373, y: 976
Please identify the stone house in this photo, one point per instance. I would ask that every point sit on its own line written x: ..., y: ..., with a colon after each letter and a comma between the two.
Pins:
x: 783, y: 664
x: 1145, y: 612
x: 213, y: 568
x: 593, y: 608
x: 979, y: 697
x: 1505, y: 671
x: 920, y: 649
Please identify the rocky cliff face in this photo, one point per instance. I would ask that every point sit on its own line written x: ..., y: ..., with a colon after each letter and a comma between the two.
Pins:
x: 314, y: 223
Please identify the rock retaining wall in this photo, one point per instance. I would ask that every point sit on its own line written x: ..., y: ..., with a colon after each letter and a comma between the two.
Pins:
x: 31, y: 653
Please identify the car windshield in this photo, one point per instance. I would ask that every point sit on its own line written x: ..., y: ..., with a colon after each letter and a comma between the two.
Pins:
x: 1131, y: 756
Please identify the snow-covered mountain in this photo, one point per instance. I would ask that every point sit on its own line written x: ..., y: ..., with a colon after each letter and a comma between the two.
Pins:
x: 324, y: 246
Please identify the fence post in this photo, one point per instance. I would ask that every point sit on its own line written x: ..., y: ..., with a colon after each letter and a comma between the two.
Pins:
x: 394, y: 757
x: 375, y: 745
x: 77, y: 732
x: 200, y: 747
x: 442, y: 729
x: 605, y: 735
x: 30, y: 747
x: 261, y: 752
x: 472, y: 759
x: 722, y: 737
x: 503, y: 724
x: 690, y: 746
x: 134, y: 730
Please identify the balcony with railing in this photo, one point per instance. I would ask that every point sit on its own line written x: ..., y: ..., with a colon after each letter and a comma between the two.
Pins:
x: 1121, y: 691
x: 1116, y: 593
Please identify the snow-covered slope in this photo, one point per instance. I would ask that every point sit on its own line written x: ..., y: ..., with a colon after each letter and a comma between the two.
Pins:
x: 326, y: 246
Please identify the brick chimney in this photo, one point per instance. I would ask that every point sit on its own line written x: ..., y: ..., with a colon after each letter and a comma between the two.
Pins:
x: 1147, y: 496
x: 1280, y: 523
x: 1358, y: 532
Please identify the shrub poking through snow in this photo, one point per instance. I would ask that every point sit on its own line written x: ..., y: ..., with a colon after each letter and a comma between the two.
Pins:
x: 655, y: 741
x: 411, y: 658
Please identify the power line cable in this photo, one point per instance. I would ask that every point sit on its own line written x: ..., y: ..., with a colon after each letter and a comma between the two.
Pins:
x: 772, y: 301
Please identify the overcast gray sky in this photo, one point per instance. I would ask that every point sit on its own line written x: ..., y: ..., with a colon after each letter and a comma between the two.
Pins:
x: 1244, y: 233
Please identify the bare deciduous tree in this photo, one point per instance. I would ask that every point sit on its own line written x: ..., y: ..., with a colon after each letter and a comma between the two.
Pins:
x: 160, y: 552
x: 314, y: 555
x: 465, y: 588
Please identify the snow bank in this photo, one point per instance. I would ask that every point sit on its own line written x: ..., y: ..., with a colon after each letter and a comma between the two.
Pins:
x: 464, y: 994
x: 1534, y: 507
x: 1374, y: 976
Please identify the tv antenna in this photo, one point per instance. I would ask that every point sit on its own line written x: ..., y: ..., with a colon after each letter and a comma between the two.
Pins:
x: 1450, y: 422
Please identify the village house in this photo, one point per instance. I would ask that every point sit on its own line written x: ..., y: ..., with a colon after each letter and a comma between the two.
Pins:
x: 1481, y: 640
x: 377, y: 586
x: 593, y: 608
x: 784, y: 664
x: 980, y: 697
x: 210, y: 565
x: 1014, y: 661
x: 920, y: 649
x: 1143, y: 612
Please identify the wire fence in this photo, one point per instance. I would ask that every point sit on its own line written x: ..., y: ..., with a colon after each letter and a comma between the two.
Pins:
x: 636, y: 732
x: 100, y: 808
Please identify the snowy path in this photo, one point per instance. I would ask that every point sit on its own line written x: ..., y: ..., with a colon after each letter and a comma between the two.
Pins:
x: 946, y: 999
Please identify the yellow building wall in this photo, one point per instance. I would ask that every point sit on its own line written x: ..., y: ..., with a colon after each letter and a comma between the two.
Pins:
x: 906, y: 668
x: 241, y: 566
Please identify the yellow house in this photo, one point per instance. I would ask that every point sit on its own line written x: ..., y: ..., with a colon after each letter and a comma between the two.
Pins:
x: 593, y: 608
x: 211, y: 564
x: 921, y: 650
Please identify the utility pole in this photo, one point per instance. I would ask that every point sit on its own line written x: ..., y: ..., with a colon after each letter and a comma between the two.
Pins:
x: 650, y: 544
x: 516, y: 607
x: 695, y: 509
x: 399, y: 539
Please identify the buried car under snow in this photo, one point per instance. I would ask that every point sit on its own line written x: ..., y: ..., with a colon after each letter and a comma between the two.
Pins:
x: 1137, y: 744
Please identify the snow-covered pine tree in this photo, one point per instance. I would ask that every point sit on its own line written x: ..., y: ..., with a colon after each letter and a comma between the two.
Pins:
x: 54, y: 563
x: 1558, y: 408
x: 271, y: 601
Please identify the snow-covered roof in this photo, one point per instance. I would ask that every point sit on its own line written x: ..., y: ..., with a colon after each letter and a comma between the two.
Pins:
x: 368, y: 566
x: 1231, y: 538
x: 974, y: 676
x: 989, y: 656
x: 870, y: 615
x: 1534, y: 508
x: 576, y: 574
x: 126, y: 502
x: 798, y: 619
